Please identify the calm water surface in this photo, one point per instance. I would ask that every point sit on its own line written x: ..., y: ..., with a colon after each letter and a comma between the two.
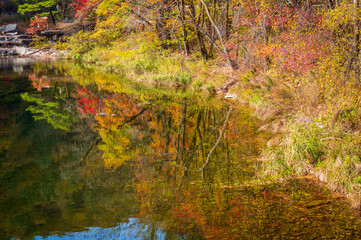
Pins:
x: 90, y: 155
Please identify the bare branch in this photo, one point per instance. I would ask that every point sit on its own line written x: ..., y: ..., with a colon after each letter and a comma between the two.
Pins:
x: 218, y: 140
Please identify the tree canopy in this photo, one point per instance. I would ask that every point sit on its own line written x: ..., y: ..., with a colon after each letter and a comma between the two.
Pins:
x: 29, y: 6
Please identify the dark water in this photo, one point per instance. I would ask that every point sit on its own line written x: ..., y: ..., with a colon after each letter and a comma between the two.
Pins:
x: 89, y: 155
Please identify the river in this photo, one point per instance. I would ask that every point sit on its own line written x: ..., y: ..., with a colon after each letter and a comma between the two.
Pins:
x: 87, y: 154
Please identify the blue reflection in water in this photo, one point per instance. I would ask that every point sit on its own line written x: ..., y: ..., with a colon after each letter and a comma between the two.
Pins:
x: 131, y: 230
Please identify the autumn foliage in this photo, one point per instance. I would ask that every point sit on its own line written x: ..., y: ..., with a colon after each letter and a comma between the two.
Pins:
x: 298, y: 62
x: 37, y: 24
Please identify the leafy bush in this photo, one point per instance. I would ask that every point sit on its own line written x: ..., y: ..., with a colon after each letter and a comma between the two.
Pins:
x: 41, y: 42
x: 79, y: 44
x: 183, y: 78
x: 61, y: 45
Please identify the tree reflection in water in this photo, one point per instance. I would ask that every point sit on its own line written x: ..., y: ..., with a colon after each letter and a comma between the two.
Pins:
x: 179, y: 165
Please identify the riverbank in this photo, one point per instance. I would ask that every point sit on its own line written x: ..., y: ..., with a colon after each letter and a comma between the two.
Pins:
x: 304, y: 143
x: 309, y: 139
x: 97, y: 156
x: 295, y: 82
x: 136, y: 60
x: 311, y: 135
x: 316, y: 127
x: 30, y: 52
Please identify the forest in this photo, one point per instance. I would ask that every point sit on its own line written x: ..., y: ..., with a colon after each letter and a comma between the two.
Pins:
x: 295, y: 62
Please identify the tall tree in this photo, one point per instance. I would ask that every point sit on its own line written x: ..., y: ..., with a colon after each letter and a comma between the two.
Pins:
x: 36, y: 6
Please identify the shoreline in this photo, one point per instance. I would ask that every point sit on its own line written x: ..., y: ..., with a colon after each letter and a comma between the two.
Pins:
x: 30, y: 52
x: 295, y: 166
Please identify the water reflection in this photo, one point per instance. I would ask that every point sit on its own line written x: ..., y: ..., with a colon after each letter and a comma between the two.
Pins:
x: 82, y: 151
x: 129, y: 230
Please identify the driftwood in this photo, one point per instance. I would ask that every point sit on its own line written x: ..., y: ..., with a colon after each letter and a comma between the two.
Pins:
x: 51, y: 33
x: 226, y: 86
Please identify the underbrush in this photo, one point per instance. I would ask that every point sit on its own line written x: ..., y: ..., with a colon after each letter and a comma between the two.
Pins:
x: 6, y: 18
x: 317, y: 131
x: 314, y: 112
x: 41, y: 42
x: 331, y: 154
x: 138, y: 60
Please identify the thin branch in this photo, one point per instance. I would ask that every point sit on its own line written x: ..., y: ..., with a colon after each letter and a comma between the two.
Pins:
x: 225, y: 51
x: 143, y: 19
x: 205, y: 34
x: 136, y: 115
x: 218, y: 140
x: 95, y: 142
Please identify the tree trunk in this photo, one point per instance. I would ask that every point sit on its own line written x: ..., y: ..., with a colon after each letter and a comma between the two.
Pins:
x: 185, y: 34
x: 356, y: 39
x: 232, y: 64
x: 51, y: 16
x: 353, y: 60
x: 228, y: 22
x: 202, y: 47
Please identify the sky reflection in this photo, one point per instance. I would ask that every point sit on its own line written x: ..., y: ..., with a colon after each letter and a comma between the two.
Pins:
x: 131, y: 230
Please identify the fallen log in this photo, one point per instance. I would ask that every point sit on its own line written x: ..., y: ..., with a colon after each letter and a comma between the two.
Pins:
x: 52, y: 33
x: 225, y: 87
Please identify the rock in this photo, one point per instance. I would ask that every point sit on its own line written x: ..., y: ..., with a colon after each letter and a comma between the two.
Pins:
x: 10, y: 28
x: 10, y: 52
x: 6, y: 52
x: 23, y: 42
x: 23, y: 51
x: 20, y: 50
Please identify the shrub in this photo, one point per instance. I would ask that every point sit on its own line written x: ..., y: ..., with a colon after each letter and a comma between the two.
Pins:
x: 79, y: 44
